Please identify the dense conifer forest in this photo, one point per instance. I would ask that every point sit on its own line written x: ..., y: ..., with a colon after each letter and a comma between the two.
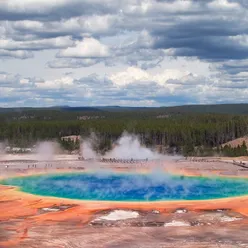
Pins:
x: 175, y: 130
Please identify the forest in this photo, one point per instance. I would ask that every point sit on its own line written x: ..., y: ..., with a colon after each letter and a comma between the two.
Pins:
x: 187, y: 133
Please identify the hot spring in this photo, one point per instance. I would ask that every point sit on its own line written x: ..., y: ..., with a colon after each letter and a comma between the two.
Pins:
x: 130, y: 186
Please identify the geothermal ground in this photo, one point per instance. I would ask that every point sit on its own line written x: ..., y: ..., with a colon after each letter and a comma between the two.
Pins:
x: 34, y: 221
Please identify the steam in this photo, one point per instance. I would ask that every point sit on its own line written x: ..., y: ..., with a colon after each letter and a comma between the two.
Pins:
x: 46, y: 150
x: 129, y: 146
x: 87, y: 150
x: 2, y: 148
x: 87, y: 147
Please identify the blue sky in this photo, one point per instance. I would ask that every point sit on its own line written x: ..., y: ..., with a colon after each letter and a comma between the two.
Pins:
x: 125, y: 52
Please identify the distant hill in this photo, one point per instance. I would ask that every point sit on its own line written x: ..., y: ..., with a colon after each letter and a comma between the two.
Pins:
x: 236, y: 142
x: 235, y: 109
x: 79, y: 109
x: 216, y: 108
x: 57, y: 108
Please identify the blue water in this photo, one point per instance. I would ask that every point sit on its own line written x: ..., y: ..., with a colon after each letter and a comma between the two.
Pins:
x: 130, y: 187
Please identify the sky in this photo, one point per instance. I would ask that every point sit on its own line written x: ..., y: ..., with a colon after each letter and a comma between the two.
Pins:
x: 123, y: 52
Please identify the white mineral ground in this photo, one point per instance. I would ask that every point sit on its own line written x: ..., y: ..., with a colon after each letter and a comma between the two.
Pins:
x: 119, y: 215
x: 176, y: 223
x: 57, y: 157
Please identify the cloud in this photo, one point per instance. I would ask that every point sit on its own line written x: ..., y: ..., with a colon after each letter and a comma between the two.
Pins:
x: 122, y: 88
x: 99, y: 25
x: 87, y: 48
x: 139, y: 40
x: 72, y: 63
x: 133, y: 74
x: 181, y: 28
x: 52, y: 43
x: 232, y: 67
x: 16, y: 54
x: 223, y: 5
x: 50, y: 10
x: 23, y: 49
x: 7, y: 79
x: 189, y: 79
x: 233, y: 74
x: 63, y: 82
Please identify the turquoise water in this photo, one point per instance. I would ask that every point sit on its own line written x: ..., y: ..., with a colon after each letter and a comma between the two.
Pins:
x: 130, y: 187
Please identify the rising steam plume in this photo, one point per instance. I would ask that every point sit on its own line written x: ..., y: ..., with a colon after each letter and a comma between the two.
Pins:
x: 128, y: 146
x: 46, y: 150
x: 2, y: 150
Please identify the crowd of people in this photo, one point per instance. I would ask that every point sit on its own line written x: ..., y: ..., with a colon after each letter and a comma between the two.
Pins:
x: 117, y: 160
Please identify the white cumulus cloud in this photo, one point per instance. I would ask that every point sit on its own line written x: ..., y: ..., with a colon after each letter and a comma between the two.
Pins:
x: 87, y: 48
x: 134, y: 74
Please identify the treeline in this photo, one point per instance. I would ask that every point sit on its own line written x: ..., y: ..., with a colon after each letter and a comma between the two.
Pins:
x: 63, y: 113
x: 225, y: 151
x: 240, y: 150
x: 188, y: 134
x: 70, y: 144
